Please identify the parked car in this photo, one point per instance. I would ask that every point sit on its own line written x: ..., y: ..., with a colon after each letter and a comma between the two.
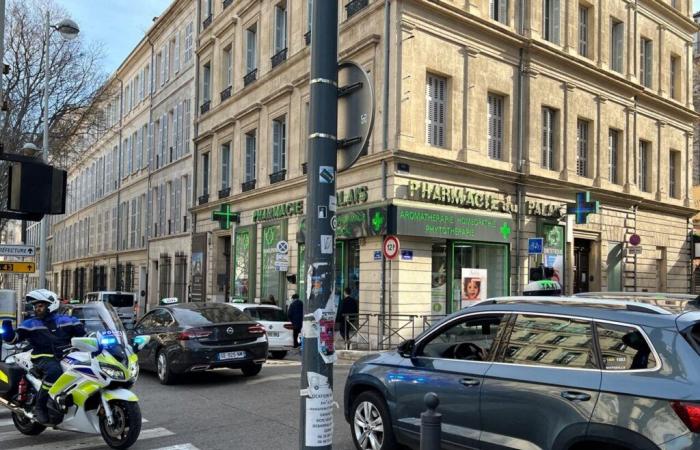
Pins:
x: 565, y: 373
x: 125, y: 303
x: 279, y: 329
x: 193, y: 337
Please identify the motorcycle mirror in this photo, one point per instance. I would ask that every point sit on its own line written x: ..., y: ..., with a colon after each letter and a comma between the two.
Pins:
x: 86, y: 344
x: 140, y: 342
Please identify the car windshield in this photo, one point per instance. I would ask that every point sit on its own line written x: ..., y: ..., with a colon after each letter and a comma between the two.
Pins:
x: 268, y: 314
x: 209, y: 315
x: 119, y: 300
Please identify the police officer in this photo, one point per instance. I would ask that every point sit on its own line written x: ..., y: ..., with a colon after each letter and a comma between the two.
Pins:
x: 48, y: 333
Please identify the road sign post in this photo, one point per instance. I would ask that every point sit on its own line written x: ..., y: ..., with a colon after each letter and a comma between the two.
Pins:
x: 316, y: 403
x: 391, y: 247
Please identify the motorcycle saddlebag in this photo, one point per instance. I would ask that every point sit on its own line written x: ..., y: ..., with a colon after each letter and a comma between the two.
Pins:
x: 10, y: 375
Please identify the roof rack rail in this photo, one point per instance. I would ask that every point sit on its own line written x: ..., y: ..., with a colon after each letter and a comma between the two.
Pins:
x: 579, y: 301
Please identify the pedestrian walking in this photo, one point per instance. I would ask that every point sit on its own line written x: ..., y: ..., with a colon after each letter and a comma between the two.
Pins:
x: 347, y: 314
x: 295, y: 314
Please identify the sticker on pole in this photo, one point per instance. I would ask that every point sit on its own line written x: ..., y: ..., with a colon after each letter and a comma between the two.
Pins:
x: 326, y: 244
x: 319, y: 411
x: 326, y: 174
x: 391, y: 247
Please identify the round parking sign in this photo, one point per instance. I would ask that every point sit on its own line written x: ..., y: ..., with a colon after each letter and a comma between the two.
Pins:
x: 282, y: 247
x: 391, y: 247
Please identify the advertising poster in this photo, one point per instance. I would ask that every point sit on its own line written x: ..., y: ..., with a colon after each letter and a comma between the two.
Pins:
x: 474, y: 282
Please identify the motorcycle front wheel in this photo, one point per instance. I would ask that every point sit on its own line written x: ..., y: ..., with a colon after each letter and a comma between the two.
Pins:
x: 126, y: 425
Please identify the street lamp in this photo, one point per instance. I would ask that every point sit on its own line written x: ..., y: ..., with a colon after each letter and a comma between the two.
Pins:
x: 69, y: 30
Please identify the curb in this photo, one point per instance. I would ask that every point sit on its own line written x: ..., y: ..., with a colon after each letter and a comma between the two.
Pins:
x: 353, y: 355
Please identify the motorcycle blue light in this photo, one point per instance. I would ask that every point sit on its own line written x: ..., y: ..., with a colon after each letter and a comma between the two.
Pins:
x: 139, y: 340
x: 107, y: 341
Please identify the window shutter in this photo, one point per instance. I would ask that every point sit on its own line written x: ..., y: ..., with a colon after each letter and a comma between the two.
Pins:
x: 250, y: 50
x: 166, y: 58
x: 149, y: 145
x: 162, y: 66
x: 618, y: 37
x: 161, y: 210
x: 176, y: 53
x: 187, y: 124
x: 648, y: 62
x: 174, y: 139
x: 276, y: 143
x: 166, y: 138
x: 503, y: 11
x: 178, y: 204
x: 149, y: 213
x: 556, y: 16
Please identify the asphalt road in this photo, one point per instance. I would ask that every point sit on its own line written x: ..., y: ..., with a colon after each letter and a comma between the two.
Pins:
x: 211, y: 410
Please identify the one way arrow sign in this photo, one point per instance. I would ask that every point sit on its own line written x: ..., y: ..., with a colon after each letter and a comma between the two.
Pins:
x: 17, y: 267
x: 17, y: 250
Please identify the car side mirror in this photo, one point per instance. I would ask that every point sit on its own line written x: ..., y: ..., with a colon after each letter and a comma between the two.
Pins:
x: 140, y: 342
x: 406, y: 348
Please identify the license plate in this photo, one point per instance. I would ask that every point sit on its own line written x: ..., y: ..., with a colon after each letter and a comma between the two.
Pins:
x: 273, y: 333
x: 231, y: 355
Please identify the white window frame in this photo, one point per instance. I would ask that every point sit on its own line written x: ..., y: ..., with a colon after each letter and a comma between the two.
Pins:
x: 250, y: 156
x: 551, y: 17
x: 646, y: 61
x: 498, y: 11
x: 495, y: 127
x: 280, y: 30
x: 226, y: 165
x: 617, y: 45
x: 613, y: 155
x: 279, y: 144
x: 583, y: 30
x: 251, y: 48
x: 549, y: 116
x: 582, y: 147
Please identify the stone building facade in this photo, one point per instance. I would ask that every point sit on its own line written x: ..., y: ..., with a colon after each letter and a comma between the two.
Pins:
x: 498, y: 116
x: 110, y: 229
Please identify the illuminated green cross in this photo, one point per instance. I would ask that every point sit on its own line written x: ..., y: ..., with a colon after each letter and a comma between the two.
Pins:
x: 505, y: 230
x: 377, y: 221
x: 225, y: 217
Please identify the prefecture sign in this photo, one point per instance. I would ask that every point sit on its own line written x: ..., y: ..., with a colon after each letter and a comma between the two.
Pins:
x: 17, y: 267
x: 17, y: 250
x: 391, y: 247
x: 535, y: 246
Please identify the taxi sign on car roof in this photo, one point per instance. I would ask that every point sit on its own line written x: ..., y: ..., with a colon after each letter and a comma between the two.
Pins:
x: 168, y: 301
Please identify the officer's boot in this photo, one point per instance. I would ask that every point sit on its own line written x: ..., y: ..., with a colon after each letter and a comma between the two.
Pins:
x: 41, y: 410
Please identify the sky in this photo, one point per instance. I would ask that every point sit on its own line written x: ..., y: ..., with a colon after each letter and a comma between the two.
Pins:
x: 118, y: 24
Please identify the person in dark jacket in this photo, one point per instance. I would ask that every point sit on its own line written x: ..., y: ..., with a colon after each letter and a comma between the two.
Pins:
x: 48, y: 333
x: 295, y: 313
x: 347, y: 312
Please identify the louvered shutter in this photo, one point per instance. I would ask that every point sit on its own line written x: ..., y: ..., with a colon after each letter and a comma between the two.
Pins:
x: 556, y: 16
x: 149, y: 213
x: 178, y: 204
x: 176, y: 53
x: 188, y: 124
x: 503, y: 11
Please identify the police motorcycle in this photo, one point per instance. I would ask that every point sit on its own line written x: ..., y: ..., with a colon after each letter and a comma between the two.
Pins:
x: 92, y: 396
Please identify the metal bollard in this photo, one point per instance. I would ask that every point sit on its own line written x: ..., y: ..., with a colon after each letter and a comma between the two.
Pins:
x: 430, y: 422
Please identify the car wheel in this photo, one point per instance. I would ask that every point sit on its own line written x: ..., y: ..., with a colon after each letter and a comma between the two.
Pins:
x: 371, y: 424
x: 251, y: 370
x: 278, y: 354
x: 165, y: 375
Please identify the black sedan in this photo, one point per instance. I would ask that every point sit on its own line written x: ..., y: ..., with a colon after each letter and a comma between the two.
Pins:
x: 192, y: 337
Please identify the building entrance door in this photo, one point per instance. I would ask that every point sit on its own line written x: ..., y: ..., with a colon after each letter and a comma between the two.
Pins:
x: 582, y: 259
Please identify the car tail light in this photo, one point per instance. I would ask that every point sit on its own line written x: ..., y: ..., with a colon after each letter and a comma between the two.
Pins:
x: 689, y: 413
x: 256, y: 329
x: 193, y: 333
x: 288, y: 326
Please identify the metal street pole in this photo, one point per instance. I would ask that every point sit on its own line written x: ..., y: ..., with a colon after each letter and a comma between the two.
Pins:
x: 43, y: 257
x: 316, y: 405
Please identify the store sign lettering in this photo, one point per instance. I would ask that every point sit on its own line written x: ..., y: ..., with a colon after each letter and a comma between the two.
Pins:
x: 279, y: 212
x: 470, y: 199
x: 353, y: 196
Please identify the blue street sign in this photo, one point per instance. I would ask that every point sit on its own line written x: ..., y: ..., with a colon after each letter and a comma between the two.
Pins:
x: 377, y: 255
x: 406, y: 255
x: 534, y: 246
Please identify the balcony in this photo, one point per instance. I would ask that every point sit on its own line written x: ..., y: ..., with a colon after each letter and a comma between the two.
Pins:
x: 203, y: 199
x: 279, y: 58
x: 227, y: 3
x: 225, y: 192
x: 304, y: 168
x: 226, y: 93
x: 250, y: 77
x: 278, y: 176
x: 208, y: 21
x: 307, y: 37
x: 205, y: 107
x: 248, y: 186
x: 355, y: 6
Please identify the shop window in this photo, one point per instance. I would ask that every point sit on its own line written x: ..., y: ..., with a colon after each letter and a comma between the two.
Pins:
x: 493, y: 258
x: 438, y: 293
x: 244, y: 264
x: 271, y: 279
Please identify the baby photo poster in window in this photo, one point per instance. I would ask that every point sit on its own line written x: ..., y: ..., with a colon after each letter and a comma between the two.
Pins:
x: 473, y: 286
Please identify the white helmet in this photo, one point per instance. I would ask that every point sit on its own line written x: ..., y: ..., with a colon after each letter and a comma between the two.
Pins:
x: 46, y: 296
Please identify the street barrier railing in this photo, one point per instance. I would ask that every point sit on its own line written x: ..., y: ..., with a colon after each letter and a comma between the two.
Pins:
x: 376, y: 332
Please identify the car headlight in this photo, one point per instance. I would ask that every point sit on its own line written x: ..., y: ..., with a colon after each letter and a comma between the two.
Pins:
x: 114, y: 373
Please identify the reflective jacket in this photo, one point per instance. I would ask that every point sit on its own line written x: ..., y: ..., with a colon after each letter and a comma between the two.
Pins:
x: 50, y: 335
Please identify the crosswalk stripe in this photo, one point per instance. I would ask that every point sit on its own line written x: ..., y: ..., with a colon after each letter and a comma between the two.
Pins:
x: 272, y: 378
x: 86, y: 442
x: 187, y: 446
x: 6, y: 422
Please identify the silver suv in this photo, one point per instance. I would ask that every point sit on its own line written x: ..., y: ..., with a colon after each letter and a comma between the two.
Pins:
x: 540, y: 373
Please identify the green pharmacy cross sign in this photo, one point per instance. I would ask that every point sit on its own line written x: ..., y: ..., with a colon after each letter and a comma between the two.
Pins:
x: 225, y: 217
x: 583, y: 207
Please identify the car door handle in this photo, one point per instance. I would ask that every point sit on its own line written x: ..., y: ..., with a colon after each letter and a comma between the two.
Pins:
x: 469, y: 382
x: 575, y: 396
